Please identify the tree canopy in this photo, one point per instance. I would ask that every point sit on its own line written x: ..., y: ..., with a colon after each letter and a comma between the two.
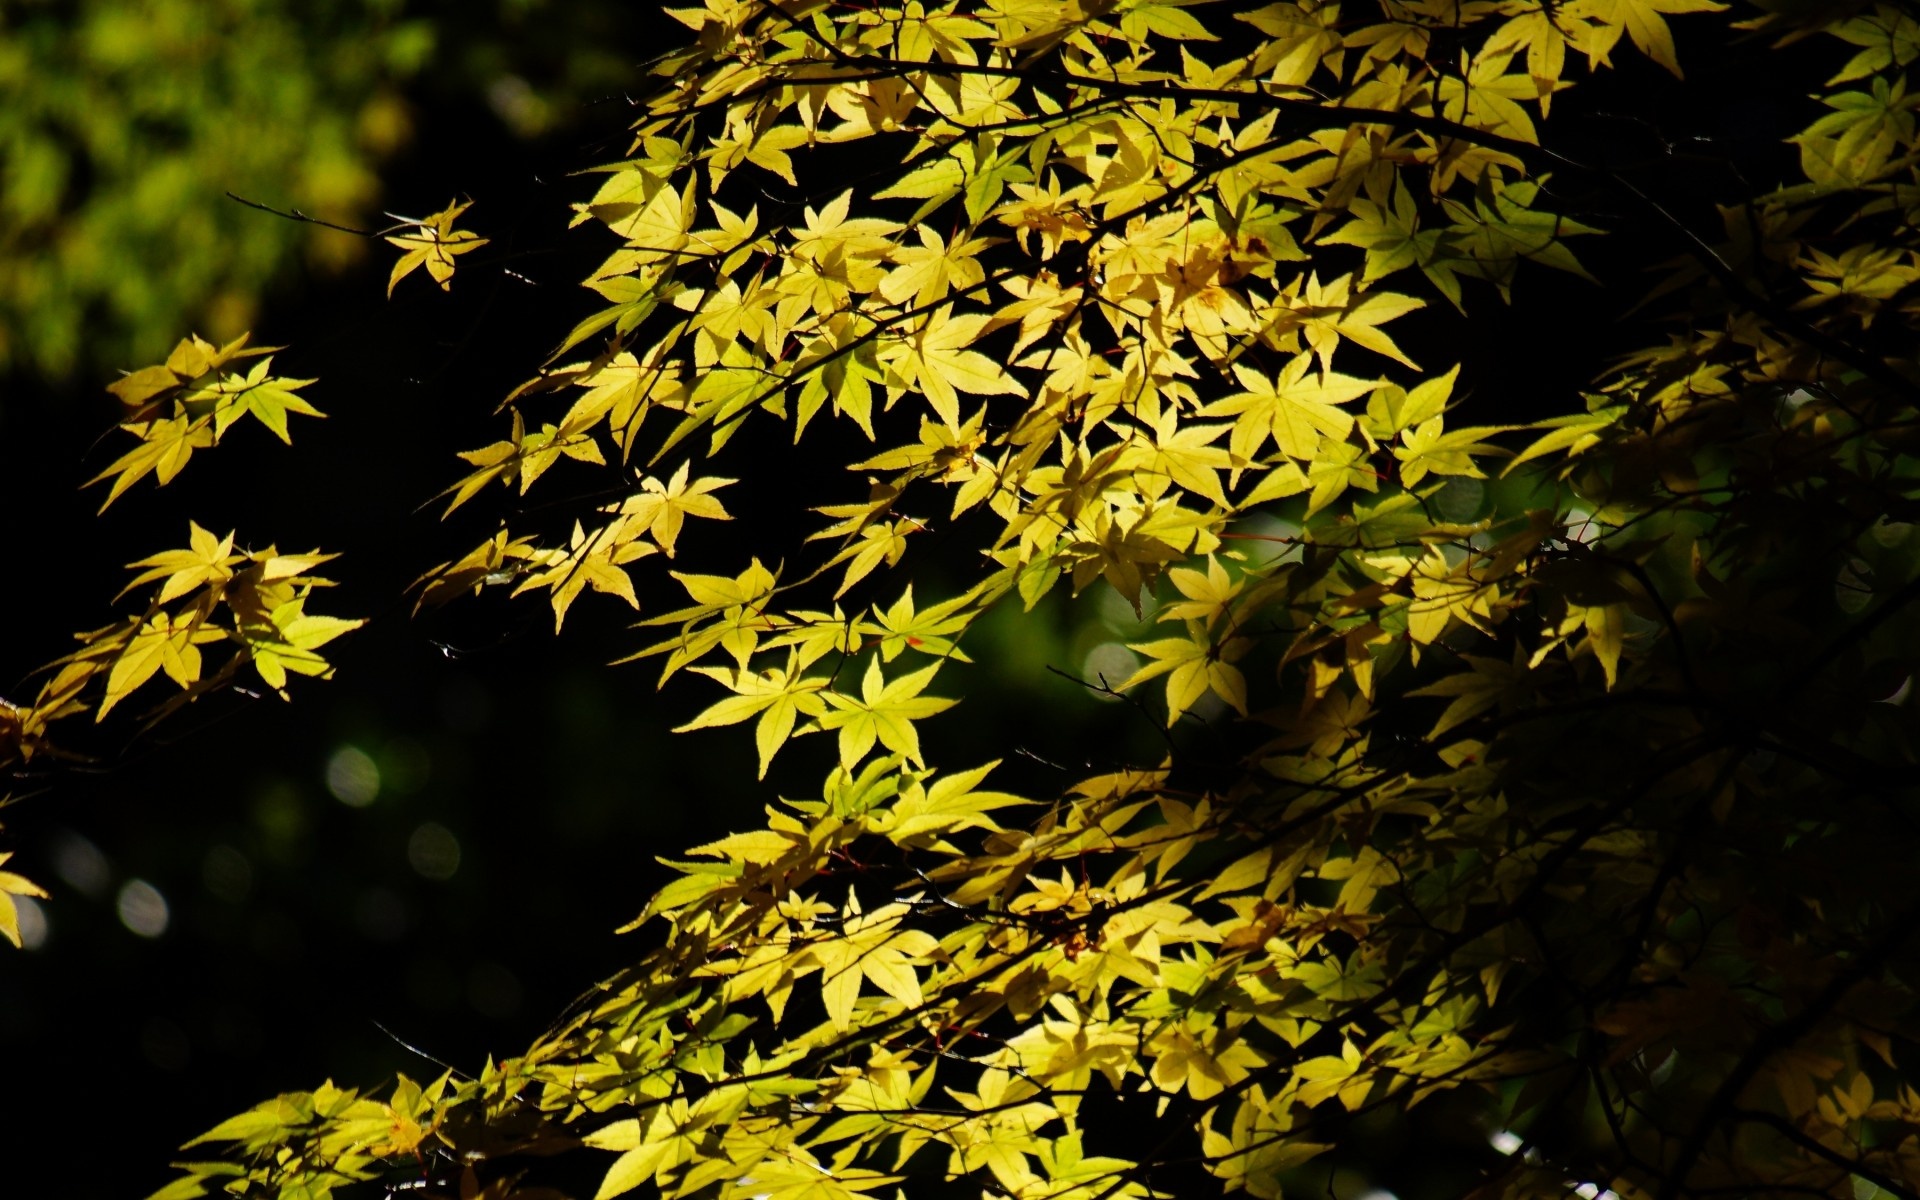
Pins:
x: 1532, y: 774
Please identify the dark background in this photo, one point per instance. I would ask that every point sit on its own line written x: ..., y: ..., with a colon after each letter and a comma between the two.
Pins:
x: 304, y: 941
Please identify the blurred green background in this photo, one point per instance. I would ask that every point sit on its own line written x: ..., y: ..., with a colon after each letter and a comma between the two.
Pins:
x: 123, y: 121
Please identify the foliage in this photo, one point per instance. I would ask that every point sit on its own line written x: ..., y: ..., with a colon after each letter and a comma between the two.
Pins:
x: 184, y: 405
x: 1530, y: 779
x: 433, y: 243
x: 210, y: 593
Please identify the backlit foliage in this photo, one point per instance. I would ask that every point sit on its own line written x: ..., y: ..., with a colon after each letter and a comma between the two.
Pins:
x: 1534, y: 776
x: 215, y: 610
x: 433, y: 243
x: 188, y: 404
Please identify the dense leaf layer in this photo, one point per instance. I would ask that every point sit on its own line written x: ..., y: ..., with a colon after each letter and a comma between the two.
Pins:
x: 1535, y: 776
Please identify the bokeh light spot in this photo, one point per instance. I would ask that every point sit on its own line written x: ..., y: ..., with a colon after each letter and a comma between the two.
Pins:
x: 353, y: 777
x: 1107, y: 666
x: 142, y: 908
x: 81, y: 866
x: 434, y: 852
x: 32, y: 917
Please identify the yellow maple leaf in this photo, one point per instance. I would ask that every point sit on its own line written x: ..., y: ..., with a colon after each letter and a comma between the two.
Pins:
x: 433, y: 244
x: 884, y: 712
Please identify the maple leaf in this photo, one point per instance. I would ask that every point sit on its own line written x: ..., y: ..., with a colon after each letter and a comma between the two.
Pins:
x: 1194, y: 665
x: 1208, y: 595
x: 1442, y: 593
x: 937, y: 363
x: 778, y: 697
x: 500, y: 559
x: 835, y: 239
x: 885, y: 712
x: 137, y: 388
x: 1039, y: 304
x: 1642, y: 20
x: 208, y: 560
x: 1389, y: 233
x: 1430, y: 448
x: 878, y: 106
x: 165, y: 446
x: 1339, y: 466
x: 158, y: 645
x: 434, y: 244
x: 1123, y: 547
x: 928, y: 630
x: 1186, y: 456
x: 192, y: 358
x: 593, y: 560
x: 871, y: 946
x: 12, y: 885
x: 197, y: 407
x: 951, y: 804
x: 621, y: 389
x: 289, y: 639
x: 1489, y: 238
x: 727, y: 613
x: 499, y: 461
x: 1887, y: 38
x: 1294, y: 408
x: 269, y: 399
x: 661, y: 508
x: 881, y: 542
x: 1859, y: 141
x: 1570, y: 435
x: 1545, y: 36
x: 928, y: 272
x: 1490, y: 681
x: 1326, y: 313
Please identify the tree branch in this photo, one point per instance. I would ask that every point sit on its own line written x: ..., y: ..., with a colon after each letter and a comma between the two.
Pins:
x: 1800, y: 1138
x: 1773, y: 1040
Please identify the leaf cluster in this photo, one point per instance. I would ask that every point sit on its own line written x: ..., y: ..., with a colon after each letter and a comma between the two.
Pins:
x: 188, y: 403
x: 210, y: 594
